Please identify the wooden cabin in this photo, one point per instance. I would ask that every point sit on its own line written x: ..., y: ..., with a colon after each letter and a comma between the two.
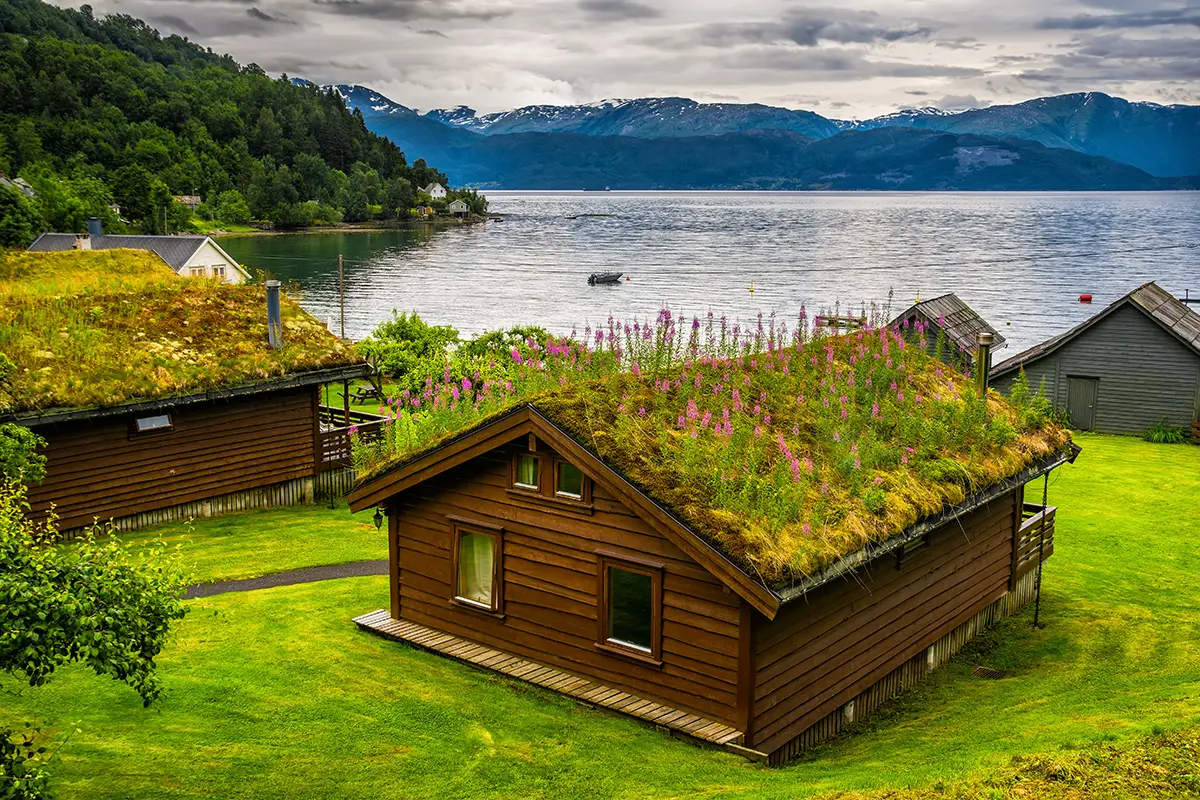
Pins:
x: 957, y: 325
x: 1135, y: 364
x: 515, y: 547
x: 170, y: 406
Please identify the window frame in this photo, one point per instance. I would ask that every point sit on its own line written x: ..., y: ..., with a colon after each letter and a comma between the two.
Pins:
x: 585, y: 485
x: 459, y: 526
x: 136, y: 431
x: 198, y: 272
x: 513, y: 471
x: 605, y: 561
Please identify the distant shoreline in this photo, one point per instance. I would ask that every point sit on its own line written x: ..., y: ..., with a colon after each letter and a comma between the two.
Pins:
x: 363, y: 227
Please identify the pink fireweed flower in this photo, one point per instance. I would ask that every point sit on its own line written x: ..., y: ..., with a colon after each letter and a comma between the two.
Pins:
x: 466, y: 384
x: 806, y: 528
x: 808, y: 465
x: 845, y: 413
x: 681, y: 424
x: 766, y: 419
x: 796, y: 430
x: 757, y: 409
x: 837, y: 437
x: 903, y: 459
x: 698, y: 380
x: 642, y: 411
x: 707, y: 418
x: 621, y: 408
x: 878, y: 479
x: 854, y: 447
x: 857, y: 462
x: 353, y: 430
x: 900, y: 397
x: 757, y: 431
x: 875, y: 411
x: 516, y: 355
x: 454, y: 391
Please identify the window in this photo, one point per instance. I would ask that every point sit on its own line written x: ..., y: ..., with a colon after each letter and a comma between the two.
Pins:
x: 196, y: 272
x: 630, y: 609
x: 477, y: 567
x: 568, y: 481
x: 219, y: 271
x: 156, y: 423
x: 525, y: 472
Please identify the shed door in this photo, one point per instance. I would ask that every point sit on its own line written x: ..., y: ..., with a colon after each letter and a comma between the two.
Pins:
x: 1081, y: 401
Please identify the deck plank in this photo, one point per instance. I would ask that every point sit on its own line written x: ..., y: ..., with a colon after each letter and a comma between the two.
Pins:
x: 608, y: 698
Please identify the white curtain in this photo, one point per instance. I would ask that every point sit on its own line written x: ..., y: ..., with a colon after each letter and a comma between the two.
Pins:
x: 475, y: 568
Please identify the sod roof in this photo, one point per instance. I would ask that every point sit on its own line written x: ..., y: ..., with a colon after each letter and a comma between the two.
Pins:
x: 95, y: 329
x: 785, y: 461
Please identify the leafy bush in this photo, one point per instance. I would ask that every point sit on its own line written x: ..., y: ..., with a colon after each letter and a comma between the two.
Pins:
x: 19, y: 460
x: 407, y: 348
x: 22, y: 765
x: 1162, y: 433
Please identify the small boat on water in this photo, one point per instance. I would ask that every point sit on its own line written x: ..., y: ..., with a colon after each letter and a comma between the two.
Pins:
x: 604, y: 277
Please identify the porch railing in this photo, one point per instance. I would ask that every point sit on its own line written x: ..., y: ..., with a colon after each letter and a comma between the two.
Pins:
x: 1031, y: 537
x: 335, y: 434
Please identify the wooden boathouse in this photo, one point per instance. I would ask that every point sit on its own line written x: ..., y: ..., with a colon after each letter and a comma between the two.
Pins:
x: 514, y: 546
x: 162, y: 397
x: 956, y: 324
x: 1134, y: 364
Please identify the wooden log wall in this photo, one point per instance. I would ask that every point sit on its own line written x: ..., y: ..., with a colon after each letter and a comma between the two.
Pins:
x: 103, y: 469
x: 820, y: 653
x: 550, y: 587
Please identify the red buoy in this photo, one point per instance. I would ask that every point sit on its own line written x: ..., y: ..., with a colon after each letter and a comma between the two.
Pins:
x: 627, y: 278
x: 1085, y: 298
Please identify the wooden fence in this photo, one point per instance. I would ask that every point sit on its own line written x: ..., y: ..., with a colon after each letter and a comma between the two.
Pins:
x: 334, y: 446
x: 1031, y: 538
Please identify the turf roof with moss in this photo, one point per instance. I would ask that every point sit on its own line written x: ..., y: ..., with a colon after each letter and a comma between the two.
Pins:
x: 88, y: 329
x: 785, y: 460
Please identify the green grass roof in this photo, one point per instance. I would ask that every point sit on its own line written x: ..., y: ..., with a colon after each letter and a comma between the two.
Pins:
x: 785, y: 459
x: 102, y: 328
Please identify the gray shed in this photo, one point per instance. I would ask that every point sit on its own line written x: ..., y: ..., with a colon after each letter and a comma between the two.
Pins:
x: 956, y: 320
x: 1132, y: 365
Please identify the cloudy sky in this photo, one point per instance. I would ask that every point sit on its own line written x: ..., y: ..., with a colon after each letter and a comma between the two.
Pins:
x: 839, y: 59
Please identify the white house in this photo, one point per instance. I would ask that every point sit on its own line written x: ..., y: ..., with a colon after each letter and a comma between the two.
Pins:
x: 436, y: 191
x: 195, y: 256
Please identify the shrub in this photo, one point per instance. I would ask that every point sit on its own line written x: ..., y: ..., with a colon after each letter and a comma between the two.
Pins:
x: 1162, y: 433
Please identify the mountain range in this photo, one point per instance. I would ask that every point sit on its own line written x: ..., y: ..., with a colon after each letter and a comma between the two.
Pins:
x: 1068, y: 142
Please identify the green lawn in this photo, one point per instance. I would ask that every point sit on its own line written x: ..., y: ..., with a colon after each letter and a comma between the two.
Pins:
x: 271, y: 540
x: 276, y: 694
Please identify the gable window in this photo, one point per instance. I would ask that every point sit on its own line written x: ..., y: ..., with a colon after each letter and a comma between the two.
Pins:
x: 196, y: 272
x: 219, y: 271
x: 525, y: 471
x: 568, y: 481
x: 159, y: 422
x: 477, y: 567
x: 631, y: 609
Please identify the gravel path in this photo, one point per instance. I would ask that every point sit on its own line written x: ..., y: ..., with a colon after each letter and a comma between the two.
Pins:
x: 356, y: 569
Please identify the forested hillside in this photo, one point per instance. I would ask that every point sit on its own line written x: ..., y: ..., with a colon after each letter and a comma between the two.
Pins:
x: 101, y: 111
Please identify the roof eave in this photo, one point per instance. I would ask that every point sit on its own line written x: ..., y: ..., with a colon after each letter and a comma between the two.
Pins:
x: 290, y: 381
x: 847, y: 564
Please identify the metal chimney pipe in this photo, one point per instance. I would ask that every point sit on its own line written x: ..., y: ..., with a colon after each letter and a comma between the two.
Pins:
x: 274, y: 320
x: 95, y: 227
x: 983, y: 361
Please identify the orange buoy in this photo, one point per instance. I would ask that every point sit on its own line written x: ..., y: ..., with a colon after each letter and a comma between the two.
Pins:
x: 1085, y: 298
x: 627, y: 278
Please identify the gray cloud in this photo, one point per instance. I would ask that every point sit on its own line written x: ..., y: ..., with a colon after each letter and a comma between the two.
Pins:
x: 1118, y: 46
x: 616, y: 10
x: 175, y: 24
x: 956, y: 102
x: 262, y: 16
x: 406, y: 10
x: 808, y: 27
x: 1133, y: 19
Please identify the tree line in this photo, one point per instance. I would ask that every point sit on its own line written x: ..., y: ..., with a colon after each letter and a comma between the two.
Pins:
x: 101, y: 114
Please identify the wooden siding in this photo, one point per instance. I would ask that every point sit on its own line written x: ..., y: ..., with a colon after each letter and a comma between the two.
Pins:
x: 103, y: 470
x: 822, y: 652
x: 1145, y: 374
x: 550, y: 556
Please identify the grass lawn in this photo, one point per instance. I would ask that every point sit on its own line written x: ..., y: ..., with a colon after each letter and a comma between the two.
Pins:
x: 270, y: 540
x: 275, y: 693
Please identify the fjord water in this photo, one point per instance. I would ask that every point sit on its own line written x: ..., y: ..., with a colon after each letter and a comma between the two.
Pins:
x: 1021, y: 260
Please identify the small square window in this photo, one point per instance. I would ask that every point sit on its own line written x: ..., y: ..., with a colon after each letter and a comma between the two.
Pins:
x: 526, y: 472
x: 569, y: 481
x: 196, y: 272
x: 219, y: 271
x: 156, y: 423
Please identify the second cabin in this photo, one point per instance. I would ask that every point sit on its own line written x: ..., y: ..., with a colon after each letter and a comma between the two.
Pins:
x: 573, y: 541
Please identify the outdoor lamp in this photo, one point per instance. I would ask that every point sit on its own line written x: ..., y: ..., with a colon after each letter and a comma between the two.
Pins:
x: 378, y: 518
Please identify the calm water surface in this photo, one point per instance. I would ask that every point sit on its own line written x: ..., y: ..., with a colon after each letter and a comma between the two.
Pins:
x: 1021, y: 260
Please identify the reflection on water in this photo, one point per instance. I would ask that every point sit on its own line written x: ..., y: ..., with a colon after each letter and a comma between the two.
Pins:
x: 1021, y: 260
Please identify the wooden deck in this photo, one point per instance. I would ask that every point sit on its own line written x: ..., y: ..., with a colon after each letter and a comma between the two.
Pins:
x: 583, y: 690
